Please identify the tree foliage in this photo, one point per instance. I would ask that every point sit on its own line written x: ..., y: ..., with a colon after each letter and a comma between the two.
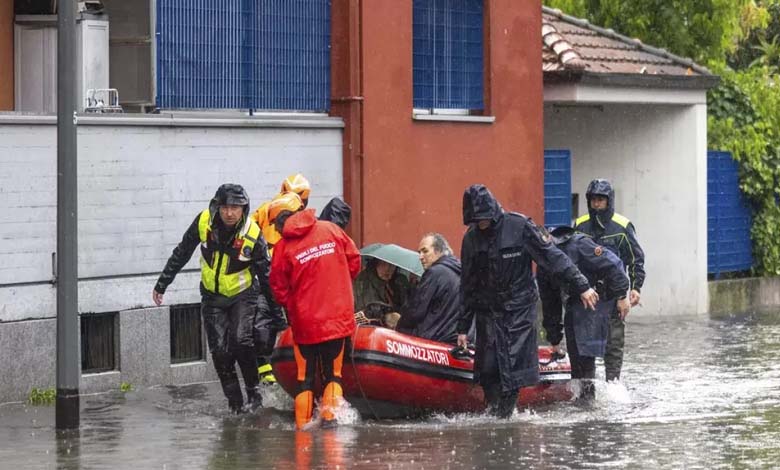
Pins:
x: 740, y: 41
x: 704, y: 30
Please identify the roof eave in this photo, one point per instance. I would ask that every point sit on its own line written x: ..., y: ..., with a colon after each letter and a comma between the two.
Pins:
x: 689, y: 82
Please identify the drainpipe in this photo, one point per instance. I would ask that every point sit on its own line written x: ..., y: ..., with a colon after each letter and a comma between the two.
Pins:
x: 347, y: 102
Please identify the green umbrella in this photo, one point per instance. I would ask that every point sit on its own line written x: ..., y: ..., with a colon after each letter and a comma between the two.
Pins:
x: 403, y: 258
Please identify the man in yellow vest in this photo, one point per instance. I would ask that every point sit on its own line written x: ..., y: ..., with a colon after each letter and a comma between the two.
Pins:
x: 234, y: 273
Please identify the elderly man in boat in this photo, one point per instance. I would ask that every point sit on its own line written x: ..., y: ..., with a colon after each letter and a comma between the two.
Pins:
x: 434, y: 307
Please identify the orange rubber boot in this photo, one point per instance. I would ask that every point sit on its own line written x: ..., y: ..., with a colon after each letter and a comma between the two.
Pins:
x: 304, y: 402
x: 331, y: 398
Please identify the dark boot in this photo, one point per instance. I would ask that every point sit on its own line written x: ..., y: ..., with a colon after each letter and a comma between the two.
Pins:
x: 253, y: 400
x: 587, y: 393
x: 506, y: 405
x: 226, y: 372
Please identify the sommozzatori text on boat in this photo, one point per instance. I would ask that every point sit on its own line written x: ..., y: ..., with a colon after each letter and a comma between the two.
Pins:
x: 387, y: 374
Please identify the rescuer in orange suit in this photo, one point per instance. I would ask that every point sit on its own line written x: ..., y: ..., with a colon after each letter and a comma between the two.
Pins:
x: 311, y: 277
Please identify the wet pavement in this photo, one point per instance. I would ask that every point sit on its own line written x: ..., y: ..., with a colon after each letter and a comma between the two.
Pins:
x: 696, y: 393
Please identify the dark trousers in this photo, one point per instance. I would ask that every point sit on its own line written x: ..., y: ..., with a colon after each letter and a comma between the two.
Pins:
x: 613, y: 358
x: 229, y: 324
x: 329, y: 355
x: 582, y: 367
x: 500, y: 403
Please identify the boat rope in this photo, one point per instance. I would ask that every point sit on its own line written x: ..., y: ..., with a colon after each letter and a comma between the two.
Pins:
x: 357, y: 377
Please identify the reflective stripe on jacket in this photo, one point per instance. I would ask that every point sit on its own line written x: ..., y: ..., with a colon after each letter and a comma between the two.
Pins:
x: 223, y: 273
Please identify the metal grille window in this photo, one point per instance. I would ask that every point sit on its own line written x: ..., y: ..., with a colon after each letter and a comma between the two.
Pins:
x: 243, y: 54
x: 728, y: 217
x: 557, y: 188
x: 186, y: 333
x: 447, y: 58
x: 98, y: 342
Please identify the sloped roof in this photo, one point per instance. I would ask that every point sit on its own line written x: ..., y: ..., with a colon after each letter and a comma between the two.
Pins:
x: 575, y: 50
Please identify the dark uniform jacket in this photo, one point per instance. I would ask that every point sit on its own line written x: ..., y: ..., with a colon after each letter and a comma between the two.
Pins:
x: 602, y: 268
x: 336, y: 211
x: 615, y: 232
x: 434, y: 307
x: 497, y: 285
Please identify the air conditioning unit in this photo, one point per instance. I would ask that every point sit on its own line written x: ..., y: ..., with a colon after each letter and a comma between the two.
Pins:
x: 35, y: 59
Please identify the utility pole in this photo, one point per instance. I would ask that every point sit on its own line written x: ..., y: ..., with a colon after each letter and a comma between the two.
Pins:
x: 68, y: 346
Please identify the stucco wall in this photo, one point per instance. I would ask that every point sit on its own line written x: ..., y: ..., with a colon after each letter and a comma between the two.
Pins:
x: 139, y: 189
x: 655, y: 155
x: 415, y: 172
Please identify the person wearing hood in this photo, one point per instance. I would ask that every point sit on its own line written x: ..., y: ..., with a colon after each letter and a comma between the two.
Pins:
x: 311, y: 277
x: 434, y: 307
x: 498, y: 291
x: 586, y: 332
x: 616, y: 233
x: 338, y: 212
x: 234, y: 273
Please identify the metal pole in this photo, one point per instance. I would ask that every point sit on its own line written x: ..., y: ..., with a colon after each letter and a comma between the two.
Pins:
x: 68, y: 346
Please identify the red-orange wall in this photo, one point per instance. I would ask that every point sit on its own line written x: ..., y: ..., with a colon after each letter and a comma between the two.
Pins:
x: 6, y: 55
x: 415, y: 172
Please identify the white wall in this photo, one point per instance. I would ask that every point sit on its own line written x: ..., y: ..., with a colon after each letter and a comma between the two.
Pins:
x: 655, y: 156
x: 140, y: 186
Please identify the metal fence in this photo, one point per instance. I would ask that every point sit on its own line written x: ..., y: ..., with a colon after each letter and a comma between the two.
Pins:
x: 728, y: 217
x: 243, y: 54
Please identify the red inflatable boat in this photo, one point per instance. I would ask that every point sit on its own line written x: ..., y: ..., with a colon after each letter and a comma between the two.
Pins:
x: 387, y: 374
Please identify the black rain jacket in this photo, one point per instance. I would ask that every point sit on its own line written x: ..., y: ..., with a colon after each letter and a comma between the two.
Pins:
x: 337, y: 211
x: 434, y: 307
x: 613, y: 231
x: 604, y: 272
x: 497, y: 285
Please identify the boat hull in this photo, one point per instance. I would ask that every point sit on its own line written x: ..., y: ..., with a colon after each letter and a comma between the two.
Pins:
x: 388, y: 374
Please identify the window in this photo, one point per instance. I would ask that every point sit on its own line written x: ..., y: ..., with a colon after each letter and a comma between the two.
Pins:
x: 269, y: 55
x: 98, y: 342
x: 557, y: 188
x: 447, y: 42
x: 186, y: 334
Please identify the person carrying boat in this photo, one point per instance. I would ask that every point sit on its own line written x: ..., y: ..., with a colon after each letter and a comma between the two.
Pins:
x: 434, y: 307
x: 234, y: 273
x: 268, y: 323
x: 311, y: 277
x: 497, y: 288
x: 586, y: 332
x: 616, y: 233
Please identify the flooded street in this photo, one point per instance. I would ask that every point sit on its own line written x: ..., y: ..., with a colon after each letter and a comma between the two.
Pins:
x: 697, y: 393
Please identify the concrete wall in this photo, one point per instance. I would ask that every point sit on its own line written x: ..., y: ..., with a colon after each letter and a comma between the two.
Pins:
x: 6, y: 55
x: 744, y: 295
x: 655, y: 156
x: 142, y: 180
x: 139, y: 189
x: 414, y: 172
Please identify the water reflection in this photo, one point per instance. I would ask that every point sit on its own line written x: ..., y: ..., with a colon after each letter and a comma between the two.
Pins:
x: 697, y: 393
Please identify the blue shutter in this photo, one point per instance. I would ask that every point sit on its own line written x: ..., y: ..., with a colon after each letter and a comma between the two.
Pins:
x: 243, y: 54
x: 728, y: 217
x: 557, y: 188
x: 447, y: 55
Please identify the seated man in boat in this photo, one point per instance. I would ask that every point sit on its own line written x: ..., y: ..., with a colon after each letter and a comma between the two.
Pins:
x: 434, y: 307
x: 381, y: 281
x: 311, y: 277
x: 586, y: 331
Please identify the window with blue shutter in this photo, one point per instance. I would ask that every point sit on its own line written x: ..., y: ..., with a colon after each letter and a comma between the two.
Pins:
x: 447, y: 42
x: 243, y: 54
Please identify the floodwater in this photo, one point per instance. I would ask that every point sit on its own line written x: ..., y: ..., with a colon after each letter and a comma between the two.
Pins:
x: 696, y: 393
